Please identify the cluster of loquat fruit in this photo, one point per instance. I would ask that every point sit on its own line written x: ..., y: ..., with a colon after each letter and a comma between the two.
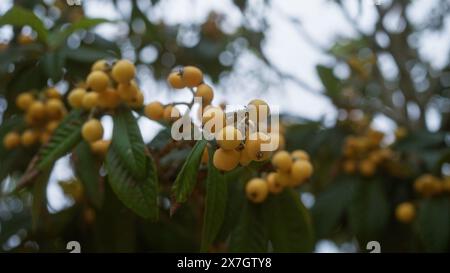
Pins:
x: 43, y: 114
x: 291, y: 170
x: 106, y: 87
x: 364, y: 154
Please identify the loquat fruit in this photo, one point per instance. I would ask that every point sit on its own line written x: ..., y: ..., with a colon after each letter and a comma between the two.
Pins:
x: 54, y: 108
x: 175, y: 81
x: 256, y: 190
x: 52, y: 93
x: 29, y: 137
x: 123, y: 71
x: 213, y: 119
x: 255, y: 145
x: 367, y: 168
x: 137, y: 101
x: 127, y: 91
x: 205, y: 92
x: 24, y: 101
x: 75, y: 97
x: 274, y: 186
x: 300, y: 155
x: 282, y: 160
x: 97, y: 81
x: 51, y: 126
x: 90, y: 100
x: 100, y: 147
x: 92, y: 130
x: 192, y: 76
x: 244, y: 159
x: 301, y: 170
x: 154, y: 110
x: 37, y: 110
x: 11, y: 140
x: 405, y: 212
x: 226, y: 160
x: 258, y: 108
x: 100, y: 65
x: 171, y: 113
x: 283, y: 178
x: 229, y: 138
x: 108, y: 99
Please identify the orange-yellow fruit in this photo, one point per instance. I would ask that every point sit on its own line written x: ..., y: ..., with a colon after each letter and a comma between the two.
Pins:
x: 108, y: 99
x: 205, y: 156
x: 100, y: 65
x: 25, y: 39
x: 367, y: 168
x: 29, y: 138
x: 175, y: 81
x: 154, y: 110
x: 51, y: 126
x: 97, y: 81
x: 274, y: 186
x: 301, y: 170
x: 54, y: 108
x: 283, y: 178
x: 90, y: 100
x: 171, y: 113
x: 349, y: 166
x: 127, y: 91
x: 405, y: 212
x: 37, y: 110
x: 100, y: 147
x: 92, y: 130
x: 44, y: 137
x: 213, y: 119
x: 229, y: 138
x: 282, y: 160
x: 258, y: 108
x: 255, y: 145
x: 300, y: 155
x: 123, y: 71
x: 244, y: 160
x: 226, y: 160
x: 11, y: 140
x: 205, y: 92
x: 446, y: 183
x: 137, y: 101
x: 75, y: 97
x: 257, y: 190
x: 192, y: 76
x: 24, y: 101
x: 52, y: 93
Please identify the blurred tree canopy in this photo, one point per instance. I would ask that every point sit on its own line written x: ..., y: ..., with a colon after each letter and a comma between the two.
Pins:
x: 54, y: 43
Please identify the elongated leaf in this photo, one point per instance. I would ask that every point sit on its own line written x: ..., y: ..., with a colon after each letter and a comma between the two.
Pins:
x: 65, y: 137
x: 140, y: 195
x: 215, y: 204
x: 290, y: 228
x: 128, y: 143
x: 187, y: 177
x: 251, y: 233
x: 18, y: 16
x: 53, y: 64
x: 58, y: 38
x: 87, y: 170
x: 331, y: 205
x: 369, y: 211
x: 434, y: 224
x: 329, y: 81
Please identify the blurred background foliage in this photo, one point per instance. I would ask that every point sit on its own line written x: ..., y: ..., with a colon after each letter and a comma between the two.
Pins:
x: 54, y: 43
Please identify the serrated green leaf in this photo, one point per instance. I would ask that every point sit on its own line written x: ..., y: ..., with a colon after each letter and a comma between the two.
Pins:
x: 58, y: 38
x: 251, y: 234
x: 65, y: 137
x: 215, y: 204
x: 369, y: 211
x: 140, y: 195
x: 53, y: 64
x: 87, y: 169
x: 128, y: 143
x: 187, y: 177
x: 434, y: 224
x: 18, y: 16
x: 290, y: 228
x: 331, y: 204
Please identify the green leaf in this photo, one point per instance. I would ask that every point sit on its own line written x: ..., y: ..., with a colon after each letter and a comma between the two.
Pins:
x: 140, y: 195
x: 329, y: 81
x: 290, y: 228
x: 58, y: 38
x: 187, y: 177
x: 18, y: 16
x: 53, y: 64
x: 65, y: 137
x: 87, y: 170
x: 215, y: 204
x: 251, y: 233
x: 87, y: 54
x: 330, y: 206
x: 369, y: 211
x: 434, y: 224
x: 128, y: 143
